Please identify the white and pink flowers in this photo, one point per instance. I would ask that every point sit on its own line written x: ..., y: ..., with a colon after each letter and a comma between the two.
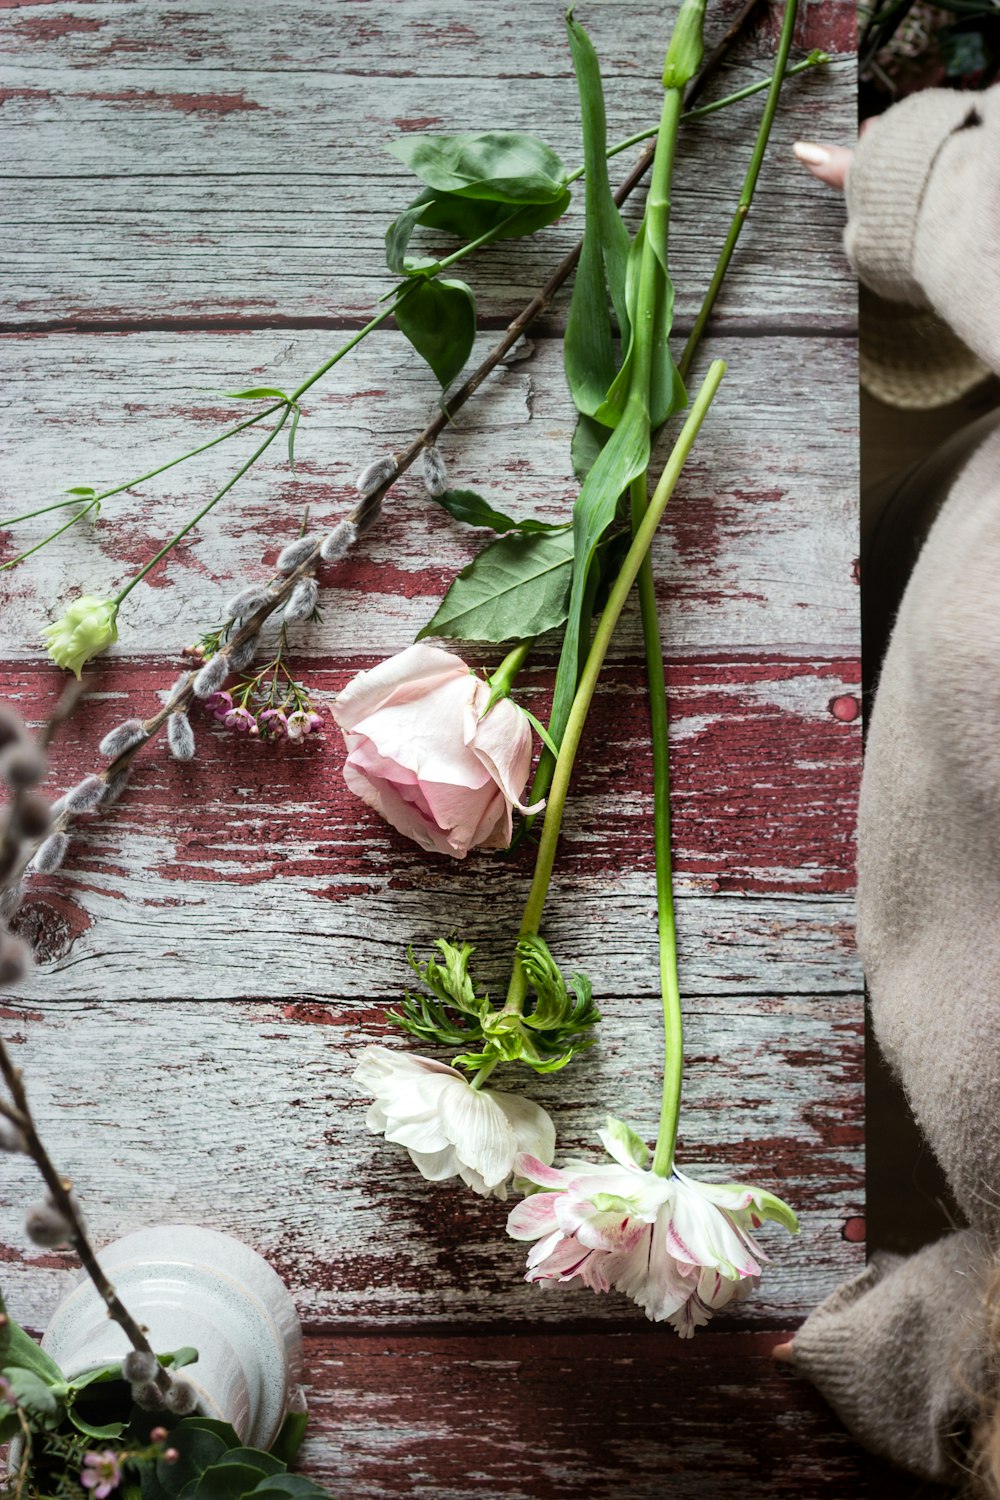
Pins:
x: 421, y: 752
x: 450, y: 1128
x: 681, y: 1249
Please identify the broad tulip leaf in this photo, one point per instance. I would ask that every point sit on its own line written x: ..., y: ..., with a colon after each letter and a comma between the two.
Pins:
x: 473, y: 510
x: 588, y: 349
x: 589, y: 437
x: 518, y: 586
x: 439, y: 319
x: 503, y: 166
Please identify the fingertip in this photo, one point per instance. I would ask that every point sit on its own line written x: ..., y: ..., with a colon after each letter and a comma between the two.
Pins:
x: 783, y: 1353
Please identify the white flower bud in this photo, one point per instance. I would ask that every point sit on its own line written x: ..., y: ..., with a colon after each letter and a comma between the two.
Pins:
x: 376, y: 475
x: 338, y: 542
x: 180, y: 737
x: 181, y: 1398
x: 46, y: 1226
x: 211, y: 677
x: 85, y: 797
x: 139, y: 1365
x: 295, y: 553
x: 435, y: 472
x: 51, y: 854
x: 303, y: 600
x: 247, y: 602
x: 123, y: 737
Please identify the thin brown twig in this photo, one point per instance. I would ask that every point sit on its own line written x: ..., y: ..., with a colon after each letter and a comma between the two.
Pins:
x: 61, y: 1197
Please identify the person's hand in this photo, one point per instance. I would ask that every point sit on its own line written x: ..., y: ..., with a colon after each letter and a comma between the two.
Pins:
x: 783, y: 1352
x: 828, y: 163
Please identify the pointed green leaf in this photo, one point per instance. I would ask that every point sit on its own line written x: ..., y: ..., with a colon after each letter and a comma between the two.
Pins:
x: 503, y: 166
x: 588, y: 349
x: 179, y: 1359
x: 397, y: 236
x: 108, y: 1430
x: 257, y: 393
x: 292, y: 430
x: 473, y: 510
x: 589, y: 437
x: 516, y: 587
x: 289, y: 1440
x: 635, y: 1146
x: 82, y: 489
x: 439, y: 319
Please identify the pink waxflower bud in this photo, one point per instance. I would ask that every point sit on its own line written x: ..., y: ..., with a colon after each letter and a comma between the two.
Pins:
x: 423, y: 752
x: 219, y: 704
x: 242, y: 720
x: 273, y: 724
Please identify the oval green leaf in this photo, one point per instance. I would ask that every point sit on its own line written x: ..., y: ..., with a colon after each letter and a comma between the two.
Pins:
x: 518, y: 586
x: 504, y: 166
x: 439, y: 319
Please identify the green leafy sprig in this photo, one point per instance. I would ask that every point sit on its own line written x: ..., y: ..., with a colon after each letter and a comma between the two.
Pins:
x: 553, y: 1026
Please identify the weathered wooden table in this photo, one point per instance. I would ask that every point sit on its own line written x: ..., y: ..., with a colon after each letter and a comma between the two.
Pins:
x: 196, y: 196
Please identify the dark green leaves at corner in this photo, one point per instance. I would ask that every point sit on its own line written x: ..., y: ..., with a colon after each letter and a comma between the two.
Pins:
x: 501, y: 166
x: 589, y: 348
x: 439, y: 319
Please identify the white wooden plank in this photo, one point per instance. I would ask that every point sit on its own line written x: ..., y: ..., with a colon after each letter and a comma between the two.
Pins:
x: 246, y: 1117
x: 201, y: 167
x: 757, y: 548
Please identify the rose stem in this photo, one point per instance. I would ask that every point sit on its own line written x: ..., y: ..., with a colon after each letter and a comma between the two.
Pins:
x: 673, y: 1024
x: 595, y: 660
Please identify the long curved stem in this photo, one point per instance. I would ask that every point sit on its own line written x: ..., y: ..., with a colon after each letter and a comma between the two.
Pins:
x: 673, y: 1026
x: 573, y: 734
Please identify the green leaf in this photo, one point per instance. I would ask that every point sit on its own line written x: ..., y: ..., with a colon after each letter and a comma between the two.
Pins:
x: 464, y: 219
x: 397, y: 236
x: 199, y: 1448
x: 516, y: 587
x: 82, y: 489
x: 295, y: 1485
x: 439, y: 319
x: 268, y: 1463
x: 225, y: 1481
x: 635, y: 1146
x: 258, y: 393
x: 289, y: 1440
x: 503, y: 166
x: 589, y: 437
x: 178, y: 1359
x: 108, y: 1430
x: 33, y: 1392
x: 18, y: 1349
x: 663, y: 392
x: 588, y: 348
x: 293, y: 428
x: 473, y: 510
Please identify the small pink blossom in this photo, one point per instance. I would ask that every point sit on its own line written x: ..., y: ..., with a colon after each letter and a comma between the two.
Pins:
x: 219, y: 704
x: 273, y: 724
x: 302, y: 722
x: 242, y: 720
x: 424, y: 753
x: 679, y: 1248
x: 101, y: 1473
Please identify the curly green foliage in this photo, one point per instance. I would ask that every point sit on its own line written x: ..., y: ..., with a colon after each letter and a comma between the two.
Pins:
x: 545, y: 1036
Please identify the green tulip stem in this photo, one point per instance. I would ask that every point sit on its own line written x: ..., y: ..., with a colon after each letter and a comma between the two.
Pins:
x: 573, y: 734
x: 673, y: 1027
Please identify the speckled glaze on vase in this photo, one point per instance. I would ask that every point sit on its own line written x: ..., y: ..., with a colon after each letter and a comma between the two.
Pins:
x: 192, y: 1286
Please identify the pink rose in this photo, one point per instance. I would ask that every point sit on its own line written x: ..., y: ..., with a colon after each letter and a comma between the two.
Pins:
x: 421, y: 754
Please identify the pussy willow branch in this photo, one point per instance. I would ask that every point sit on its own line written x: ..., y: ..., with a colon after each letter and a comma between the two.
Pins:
x: 60, y: 1193
x: 11, y: 841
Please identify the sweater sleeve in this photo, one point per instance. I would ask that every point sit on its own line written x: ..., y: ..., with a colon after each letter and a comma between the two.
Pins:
x: 923, y: 206
x: 898, y: 1352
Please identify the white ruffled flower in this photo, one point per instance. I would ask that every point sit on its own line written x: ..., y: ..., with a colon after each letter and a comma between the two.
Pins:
x: 679, y: 1248
x: 449, y: 1128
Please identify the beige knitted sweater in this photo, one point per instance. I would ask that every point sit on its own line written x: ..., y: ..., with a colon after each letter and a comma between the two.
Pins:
x: 899, y: 1351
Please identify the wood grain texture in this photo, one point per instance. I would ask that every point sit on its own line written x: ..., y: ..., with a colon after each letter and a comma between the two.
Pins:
x: 195, y: 199
x: 756, y: 552
x: 197, y: 160
x: 246, y: 1116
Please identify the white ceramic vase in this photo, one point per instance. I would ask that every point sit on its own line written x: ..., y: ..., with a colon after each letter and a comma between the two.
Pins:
x: 191, y: 1286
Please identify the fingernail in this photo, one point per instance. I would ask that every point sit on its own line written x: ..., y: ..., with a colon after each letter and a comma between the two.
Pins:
x: 811, y: 154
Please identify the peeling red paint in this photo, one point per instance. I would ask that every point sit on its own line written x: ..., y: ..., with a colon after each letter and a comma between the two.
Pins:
x: 208, y: 104
x: 50, y: 28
